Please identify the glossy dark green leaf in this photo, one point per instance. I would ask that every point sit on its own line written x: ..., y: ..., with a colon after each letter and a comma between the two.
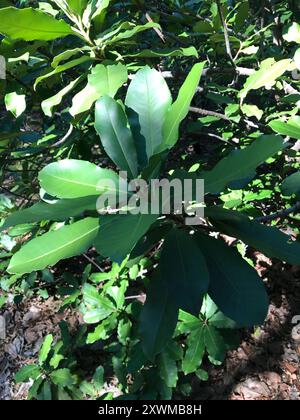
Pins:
x: 168, y: 368
x: 184, y: 268
x: 241, y: 164
x: 116, y: 137
x: 267, y: 239
x: 291, y: 185
x: 158, y: 317
x: 118, y: 234
x: 234, y: 286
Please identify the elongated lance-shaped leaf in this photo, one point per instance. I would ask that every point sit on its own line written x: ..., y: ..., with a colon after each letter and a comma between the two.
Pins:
x: 234, y: 286
x: 180, y: 108
x: 116, y: 137
x: 123, y: 36
x: 291, y: 185
x: 149, y: 96
x: 183, y: 267
x: 58, y: 211
x: 66, y: 66
x: 124, y: 230
x: 158, y: 317
x: 54, y: 246
x: 72, y: 178
x: 241, y: 164
x: 268, y: 239
x: 171, y: 52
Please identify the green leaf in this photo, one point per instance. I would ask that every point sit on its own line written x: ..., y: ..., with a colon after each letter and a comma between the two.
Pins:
x: 83, y: 100
x: 234, y: 286
x: 107, y: 80
x: 124, y: 328
x: 124, y: 230
x: 116, y: 137
x: 71, y: 178
x: 241, y: 164
x: 252, y: 111
x: 66, y: 54
x: 27, y: 372
x: 100, y: 6
x: 62, y: 377
x: 158, y: 317
x: 171, y: 52
x: 98, y: 378
x: 293, y: 33
x: 45, y: 349
x: 195, y: 350
x: 167, y: 367
x: 77, y: 6
x: 103, y: 80
x: 297, y: 58
x: 60, y: 210
x: 149, y: 96
x: 269, y: 240
x: 265, y: 76
x: 188, y: 323
x: 99, y: 307
x: 130, y: 33
x: 49, y: 103
x: 214, y: 343
x: 45, y: 393
x: 54, y: 246
x: 291, y: 185
x: 35, y: 388
x: 180, y: 108
x: 15, y: 103
x: 289, y: 128
x: 184, y: 268
x: 59, y: 69
x: 31, y: 25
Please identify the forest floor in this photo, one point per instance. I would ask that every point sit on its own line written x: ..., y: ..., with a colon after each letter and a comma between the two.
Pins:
x: 265, y: 366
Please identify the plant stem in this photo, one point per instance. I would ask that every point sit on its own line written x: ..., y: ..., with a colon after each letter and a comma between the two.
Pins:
x: 280, y: 214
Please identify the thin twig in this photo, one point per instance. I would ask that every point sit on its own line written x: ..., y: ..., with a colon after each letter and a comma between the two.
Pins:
x: 158, y: 32
x: 93, y: 262
x: 64, y: 138
x: 14, y: 194
x: 226, y: 35
x: 206, y: 112
x: 280, y: 214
